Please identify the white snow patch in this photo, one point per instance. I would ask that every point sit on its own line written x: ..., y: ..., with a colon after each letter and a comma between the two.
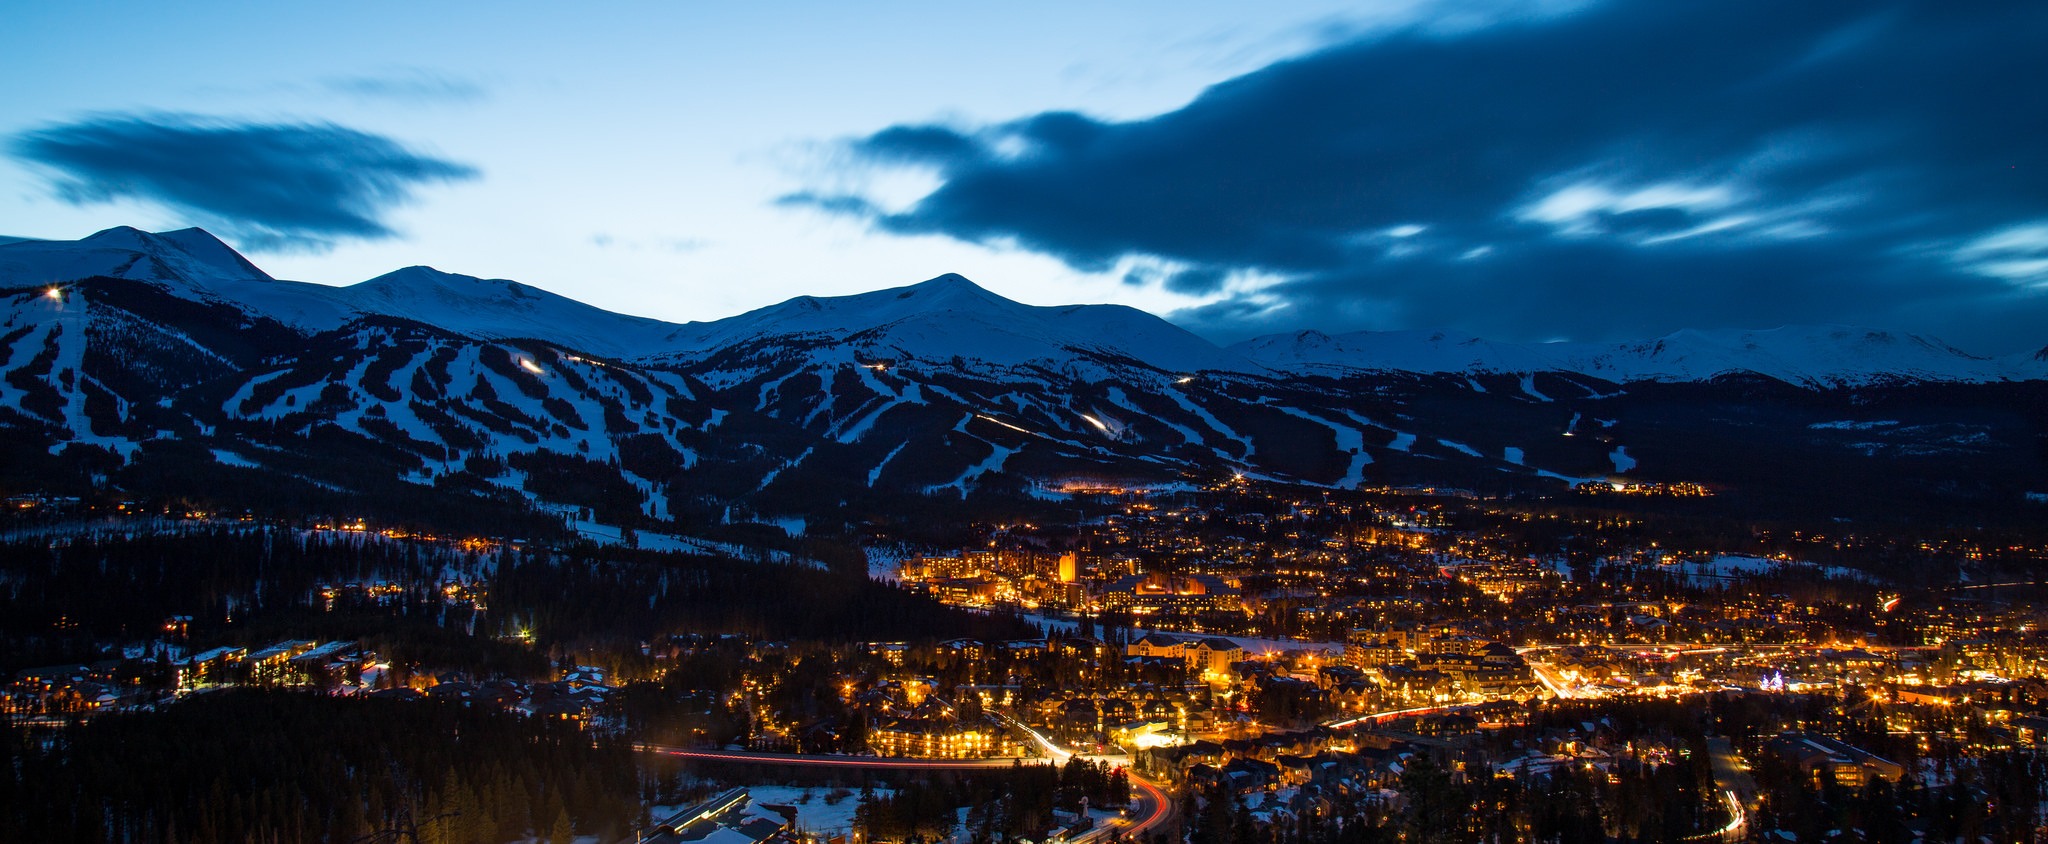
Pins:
x: 1214, y: 424
x: 1622, y: 462
x: 1349, y: 440
x: 1458, y: 446
x: 229, y: 458
x: 993, y: 463
x: 875, y: 474
x: 813, y: 814
x: 1851, y: 425
x: 772, y: 473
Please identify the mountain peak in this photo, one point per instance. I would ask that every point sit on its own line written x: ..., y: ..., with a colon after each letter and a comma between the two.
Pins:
x: 416, y: 272
x: 948, y: 280
x: 949, y: 288
x: 189, y: 258
x: 123, y: 236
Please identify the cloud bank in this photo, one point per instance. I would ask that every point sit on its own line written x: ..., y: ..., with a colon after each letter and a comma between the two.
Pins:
x: 269, y: 186
x: 1624, y: 171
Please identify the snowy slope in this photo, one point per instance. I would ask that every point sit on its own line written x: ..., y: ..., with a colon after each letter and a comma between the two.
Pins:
x: 939, y: 319
x: 189, y: 263
x: 950, y: 316
x: 190, y: 256
x: 1814, y: 356
x: 194, y: 264
x: 498, y: 308
x: 428, y: 384
x: 1396, y: 351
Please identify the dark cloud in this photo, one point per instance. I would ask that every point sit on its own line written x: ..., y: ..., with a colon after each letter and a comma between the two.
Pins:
x: 268, y: 186
x: 1197, y: 281
x: 1623, y: 171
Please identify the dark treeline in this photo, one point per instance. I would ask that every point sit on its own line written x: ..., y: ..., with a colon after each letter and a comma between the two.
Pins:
x: 1993, y: 797
x: 64, y: 601
x: 269, y: 766
x: 1440, y: 800
x: 329, y: 471
x: 627, y: 595
x: 1949, y: 793
x: 1001, y: 805
x: 1568, y: 806
x: 60, y: 600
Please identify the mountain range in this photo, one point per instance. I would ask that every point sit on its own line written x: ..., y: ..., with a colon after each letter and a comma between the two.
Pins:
x: 133, y: 357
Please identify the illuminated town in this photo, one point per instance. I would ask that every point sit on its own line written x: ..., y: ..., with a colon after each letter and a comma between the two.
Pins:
x: 1299, y: 655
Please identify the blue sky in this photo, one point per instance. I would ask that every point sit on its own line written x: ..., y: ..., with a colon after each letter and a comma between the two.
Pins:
x: 1521, y: 170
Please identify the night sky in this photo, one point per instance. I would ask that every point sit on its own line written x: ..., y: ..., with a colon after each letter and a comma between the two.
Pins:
x: 1522, y: 171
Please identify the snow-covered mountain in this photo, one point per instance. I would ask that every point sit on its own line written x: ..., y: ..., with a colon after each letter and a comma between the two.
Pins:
x: 168, y: 362
x: 498, y: 308
x: 194, y: 264
x: 951, y: 317
x: 940, y: 319
x: 1812, y: 356
x: 189, y: 257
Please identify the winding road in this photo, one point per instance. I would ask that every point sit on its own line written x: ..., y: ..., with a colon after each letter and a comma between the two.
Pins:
x: 1152, y: 808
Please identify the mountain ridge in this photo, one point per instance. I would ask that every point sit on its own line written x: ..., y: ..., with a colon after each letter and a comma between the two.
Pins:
x: 950, y: 316
x: 1820, y: 356
x: 172, y: 367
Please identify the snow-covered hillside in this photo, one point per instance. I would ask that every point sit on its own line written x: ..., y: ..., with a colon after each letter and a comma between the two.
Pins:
x: 950, y: 316
x: 498, y: 308
x: 939, y: 319
x: 188, y: 256
x: 1812, y: 356
x: 173, y: 357
x: 194, y: 264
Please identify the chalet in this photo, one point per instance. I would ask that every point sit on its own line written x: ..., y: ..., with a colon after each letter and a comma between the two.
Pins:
x: 1208, y: 654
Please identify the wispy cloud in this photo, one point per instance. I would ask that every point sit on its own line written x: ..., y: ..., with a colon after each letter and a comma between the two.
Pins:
x: 270, y: 186
x: 407, y: 86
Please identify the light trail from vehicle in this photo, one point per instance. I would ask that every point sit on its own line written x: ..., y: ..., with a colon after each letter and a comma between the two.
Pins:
x: 1004, y: 424
x: 1162, y: 806
x: 823, y: 760
x: 1737, y: 818
x: 1380, y: 716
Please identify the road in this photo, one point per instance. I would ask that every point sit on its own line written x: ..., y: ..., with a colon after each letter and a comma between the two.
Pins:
x: 1737, y: 789
x: 831, y: 761
x: 1153, y: 808
x: 1355, y: 720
